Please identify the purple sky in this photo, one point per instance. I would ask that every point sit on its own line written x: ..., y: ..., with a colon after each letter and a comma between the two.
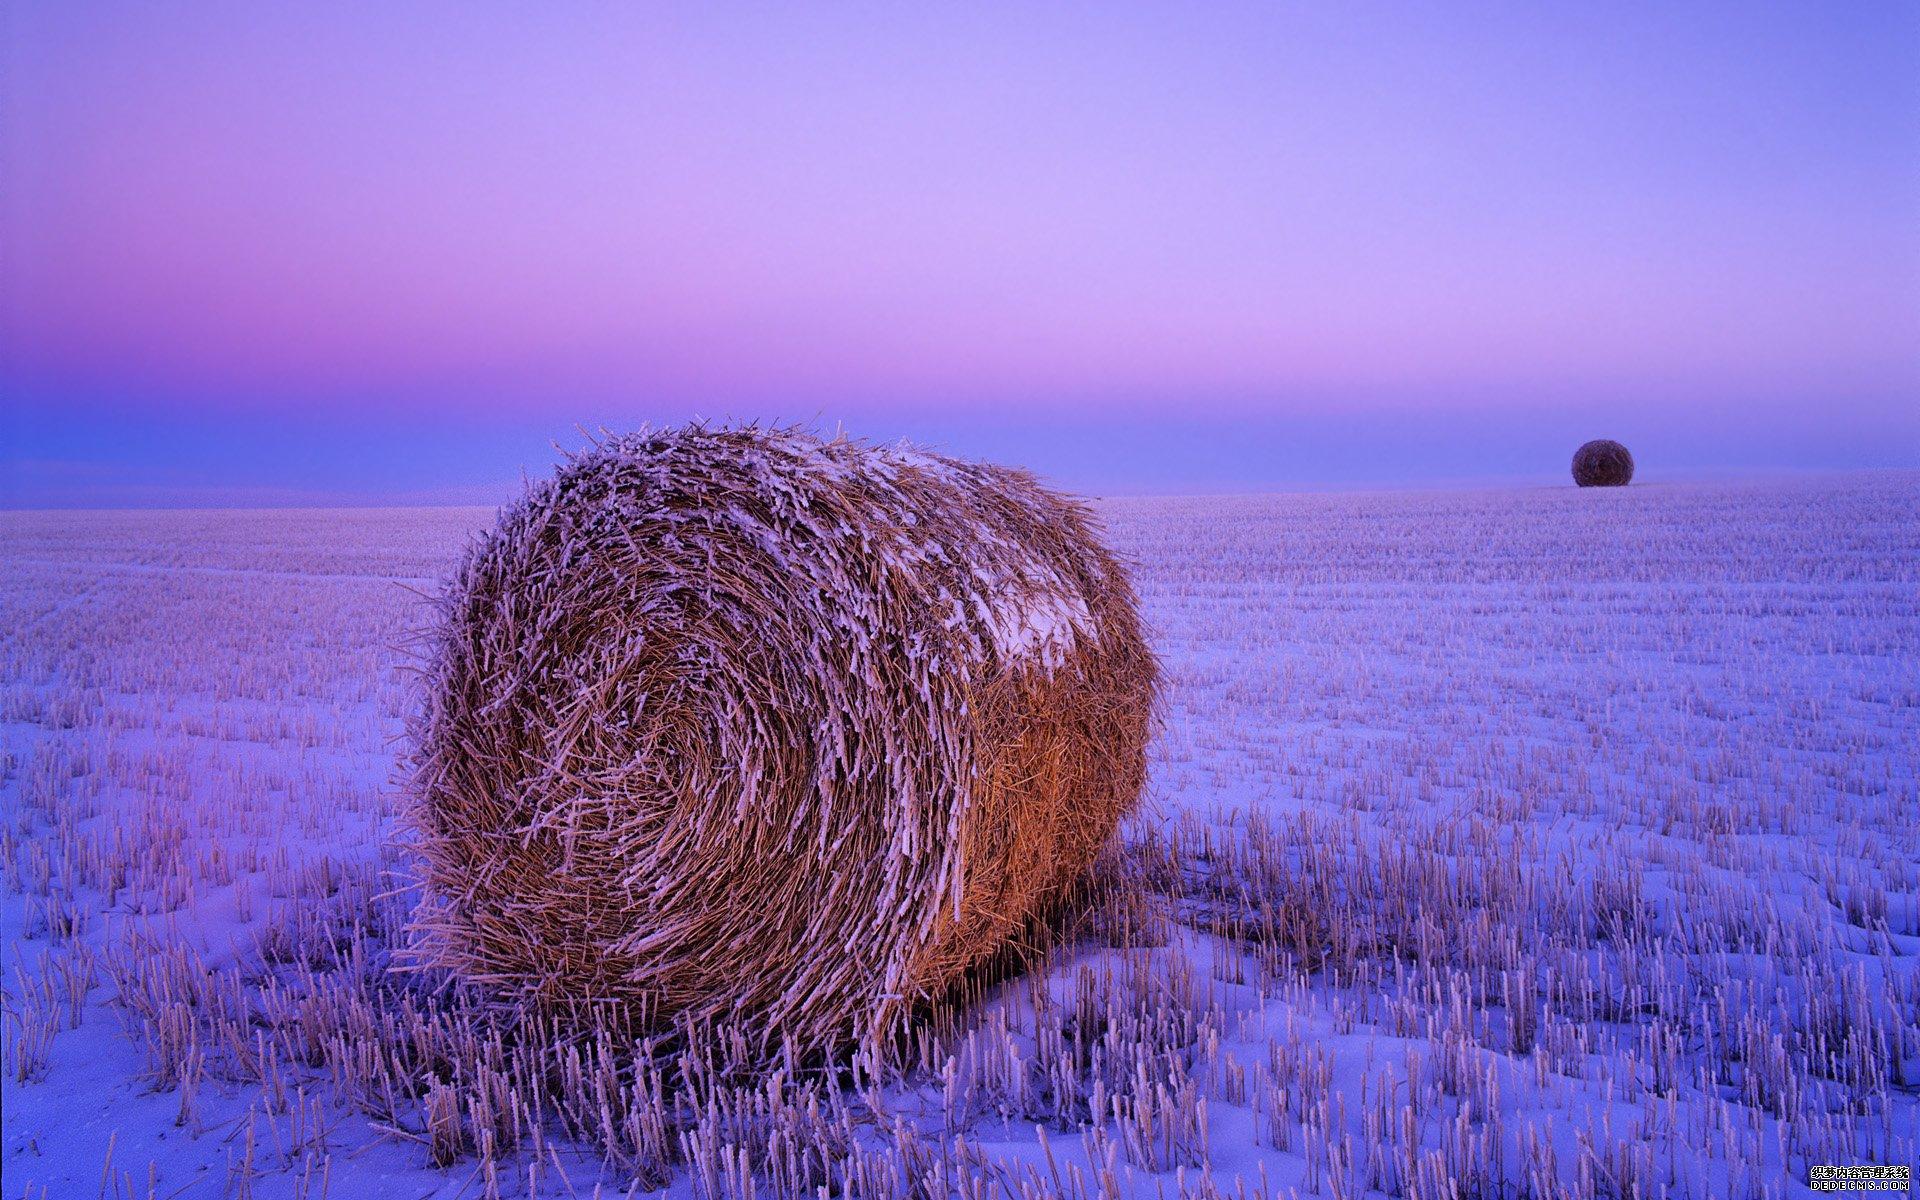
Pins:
x: 272, y: 253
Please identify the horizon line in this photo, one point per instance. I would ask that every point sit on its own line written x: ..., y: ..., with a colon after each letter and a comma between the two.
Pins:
x: 1530, y: 482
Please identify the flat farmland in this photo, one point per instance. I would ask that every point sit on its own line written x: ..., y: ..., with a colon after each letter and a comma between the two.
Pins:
x: 1499, y: 843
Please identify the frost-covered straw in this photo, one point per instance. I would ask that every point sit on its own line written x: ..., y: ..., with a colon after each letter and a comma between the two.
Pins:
x: 754, y: 728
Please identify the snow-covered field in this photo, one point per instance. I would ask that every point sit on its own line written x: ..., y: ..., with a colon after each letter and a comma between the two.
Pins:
x: 1503, y: 843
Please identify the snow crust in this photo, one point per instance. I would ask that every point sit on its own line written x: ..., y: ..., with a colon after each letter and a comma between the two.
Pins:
x: 1686, y: 714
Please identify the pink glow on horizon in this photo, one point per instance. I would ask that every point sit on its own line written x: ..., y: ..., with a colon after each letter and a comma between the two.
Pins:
x: 1056, y: 210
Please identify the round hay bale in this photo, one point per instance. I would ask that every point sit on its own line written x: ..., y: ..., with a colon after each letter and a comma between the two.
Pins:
x: 1602, y: 462
x: 745, y: 726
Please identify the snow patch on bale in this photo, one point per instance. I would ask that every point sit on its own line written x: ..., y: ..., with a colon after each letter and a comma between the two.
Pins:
x: 751, y: 727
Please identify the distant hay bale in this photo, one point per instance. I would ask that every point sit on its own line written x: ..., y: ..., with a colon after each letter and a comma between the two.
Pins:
x: 750, y: 727
x: 1602, y: 463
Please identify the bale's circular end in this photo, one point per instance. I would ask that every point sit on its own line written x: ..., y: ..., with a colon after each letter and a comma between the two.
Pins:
x: 1602, y: 463
x: 753, y: 727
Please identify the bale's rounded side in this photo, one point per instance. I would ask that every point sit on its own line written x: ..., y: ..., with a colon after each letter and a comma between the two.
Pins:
x: 1602, y: 462
x: 749, y: 726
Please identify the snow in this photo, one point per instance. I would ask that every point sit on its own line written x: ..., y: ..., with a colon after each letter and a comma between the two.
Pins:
x: 1601, y: 806
x: 1037, y: 627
